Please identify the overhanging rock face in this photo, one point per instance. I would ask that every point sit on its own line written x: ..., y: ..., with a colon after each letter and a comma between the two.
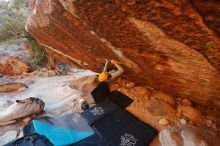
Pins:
x: 166, y: 44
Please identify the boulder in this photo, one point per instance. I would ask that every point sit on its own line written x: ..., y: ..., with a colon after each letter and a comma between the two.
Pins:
x: 159, y: 108
x: 13, y: 66
x: 21, y: 109
x: 188, y: 136
x: 162, y: 44
x: 12, y: 87
x: 192, y: 113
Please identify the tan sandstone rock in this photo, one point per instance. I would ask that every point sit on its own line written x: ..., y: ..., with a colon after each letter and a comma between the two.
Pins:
x: 12, y: 87
x: 192, y: 113
x: 164, y: 97
x: 159, y: 108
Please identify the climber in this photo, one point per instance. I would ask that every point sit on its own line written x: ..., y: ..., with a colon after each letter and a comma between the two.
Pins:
x: 110, y: 76
x: 87, y: 84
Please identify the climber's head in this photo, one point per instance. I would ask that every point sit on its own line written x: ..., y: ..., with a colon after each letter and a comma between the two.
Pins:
x: 104, y: 76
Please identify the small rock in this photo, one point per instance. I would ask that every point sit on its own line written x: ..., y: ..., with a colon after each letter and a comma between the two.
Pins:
x: 12, y: 87
x: 186, y: 102
x: 81, y: 101
x: 22, y: 89
x: 164, y: 97
x: 163, y: 122
x: 214, y: 126
x: 140, y: 90
x: 183, y: 121
x: 130, y: 85
x: 192, y: 113
x: 159, y: 108
x: 26, y: 120
x: 209, y: 123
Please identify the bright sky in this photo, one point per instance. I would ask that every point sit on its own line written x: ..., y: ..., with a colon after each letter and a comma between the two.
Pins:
x: 5, y: 0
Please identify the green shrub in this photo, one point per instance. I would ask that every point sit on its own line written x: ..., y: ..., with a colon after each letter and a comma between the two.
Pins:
x: 37, y: 51
x: 12, y: 28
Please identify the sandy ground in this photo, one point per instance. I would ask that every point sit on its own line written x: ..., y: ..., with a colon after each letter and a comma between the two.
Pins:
x: 54, y: 90
x: 15, y: 48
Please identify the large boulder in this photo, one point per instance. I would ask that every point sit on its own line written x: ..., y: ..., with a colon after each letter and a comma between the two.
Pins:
x: 163, y: 44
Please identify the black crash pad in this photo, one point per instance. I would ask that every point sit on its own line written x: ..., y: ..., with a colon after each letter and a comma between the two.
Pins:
x: 112, y: 125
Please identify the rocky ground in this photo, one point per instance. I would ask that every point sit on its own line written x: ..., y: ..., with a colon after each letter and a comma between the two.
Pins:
x: 21, y: 78
x: 175, y: 117
x: 178, y: 120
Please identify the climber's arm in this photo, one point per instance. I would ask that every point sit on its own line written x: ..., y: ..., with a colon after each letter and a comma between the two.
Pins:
x: 106, y: 65
x: 116, y: 74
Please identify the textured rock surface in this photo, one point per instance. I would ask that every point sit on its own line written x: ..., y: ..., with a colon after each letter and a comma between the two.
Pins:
x: 164, y: 97
x: 21, y: 109
x: 188, y: 136
x: 159, y: 108
x: 166, y: 44
x: 193, y: 114
x: 210, y: 11
x: 12, y: 87
x: 13, y: 66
